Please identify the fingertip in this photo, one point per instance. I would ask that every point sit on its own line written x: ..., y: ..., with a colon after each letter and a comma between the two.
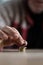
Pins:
x: 24, y: 44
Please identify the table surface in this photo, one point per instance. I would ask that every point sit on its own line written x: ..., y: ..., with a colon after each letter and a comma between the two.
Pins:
x: 14, y: 57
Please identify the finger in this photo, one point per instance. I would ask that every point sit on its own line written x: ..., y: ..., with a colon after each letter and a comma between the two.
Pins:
x: 7, y: 43
x: 25, y: 43
x: 8, y: 30
x: 11, y: 32
x: 15, y: 34
x: 20, y: 41
x: 3, y: 35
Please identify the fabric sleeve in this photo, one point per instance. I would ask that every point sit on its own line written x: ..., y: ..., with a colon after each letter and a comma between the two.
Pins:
x: 6, y: 14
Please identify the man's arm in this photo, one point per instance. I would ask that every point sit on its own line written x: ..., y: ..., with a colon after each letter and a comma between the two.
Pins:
x: 6, y: 13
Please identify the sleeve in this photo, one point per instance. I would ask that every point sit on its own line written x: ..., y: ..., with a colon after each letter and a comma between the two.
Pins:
x: 6, y: 14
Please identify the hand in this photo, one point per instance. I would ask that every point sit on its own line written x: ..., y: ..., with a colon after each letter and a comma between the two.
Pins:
x: 10, y: 36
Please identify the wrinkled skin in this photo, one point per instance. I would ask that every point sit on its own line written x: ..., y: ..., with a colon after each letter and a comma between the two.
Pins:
x: 11, y: 36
